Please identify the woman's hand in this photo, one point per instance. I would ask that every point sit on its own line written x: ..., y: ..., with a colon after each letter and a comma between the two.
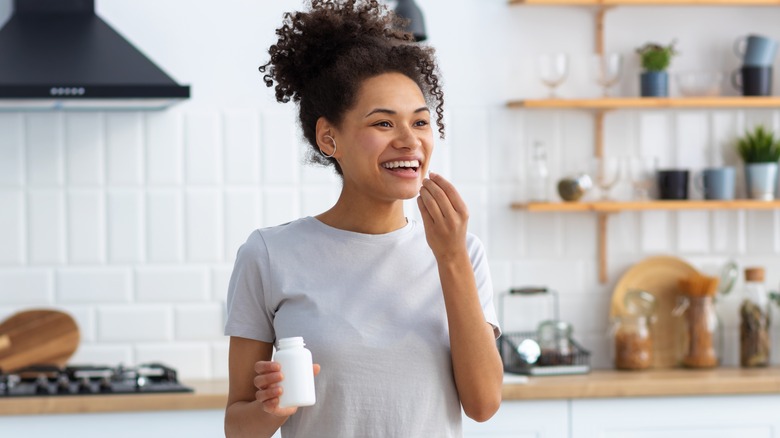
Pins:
x: 445, y: 217
x: 269, y: 375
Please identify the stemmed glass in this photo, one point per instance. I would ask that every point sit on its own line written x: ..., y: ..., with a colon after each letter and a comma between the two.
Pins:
x: 553, y: 68
x: 642, y: 171
x: 606, y: 70
x: 605, y: 172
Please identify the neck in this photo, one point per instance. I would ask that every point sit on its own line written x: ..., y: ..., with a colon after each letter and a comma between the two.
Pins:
x: 365, y: 218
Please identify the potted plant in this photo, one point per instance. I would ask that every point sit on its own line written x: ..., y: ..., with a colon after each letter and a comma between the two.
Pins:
x: 760, y: 150
x: 655, y: 58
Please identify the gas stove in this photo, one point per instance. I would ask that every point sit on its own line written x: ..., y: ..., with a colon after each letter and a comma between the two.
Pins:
x: 48, y: 380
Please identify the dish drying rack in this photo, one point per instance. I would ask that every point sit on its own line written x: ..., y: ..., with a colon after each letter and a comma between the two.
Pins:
x: 549, y: 363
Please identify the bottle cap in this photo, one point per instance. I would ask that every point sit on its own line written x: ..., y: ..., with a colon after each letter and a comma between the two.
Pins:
x: 754, y: 274
x: 296, y: 341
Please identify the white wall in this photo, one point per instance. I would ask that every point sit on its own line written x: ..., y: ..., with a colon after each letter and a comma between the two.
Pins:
x: 130, y: 220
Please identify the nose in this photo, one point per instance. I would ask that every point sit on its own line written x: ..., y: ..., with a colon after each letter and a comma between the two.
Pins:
x: 407, y: 139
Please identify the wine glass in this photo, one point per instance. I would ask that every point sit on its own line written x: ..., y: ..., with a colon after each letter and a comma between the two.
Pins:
x: 553, y: 68
x: 607, y: 68
x: 605, y: 172
x: 642, y: 171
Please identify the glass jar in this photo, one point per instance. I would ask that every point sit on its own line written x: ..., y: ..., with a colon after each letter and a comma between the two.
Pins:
x: 702, y: 337
x: 555, y: 343
x: 754, y: 343
x: 633, y: 342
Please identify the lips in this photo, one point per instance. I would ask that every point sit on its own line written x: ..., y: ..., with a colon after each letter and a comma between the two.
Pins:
x: 402, y: 167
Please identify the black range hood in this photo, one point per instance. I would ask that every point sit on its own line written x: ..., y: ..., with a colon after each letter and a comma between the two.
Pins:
x: 58, y: 54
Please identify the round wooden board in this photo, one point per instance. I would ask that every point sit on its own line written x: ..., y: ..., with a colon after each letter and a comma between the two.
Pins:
x: 659, y: 276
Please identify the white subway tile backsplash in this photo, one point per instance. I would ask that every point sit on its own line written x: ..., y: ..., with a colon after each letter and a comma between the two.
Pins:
x: 124, y: 149
x: 85, y: 320
x: 84, y: 134
x: 693, y: 144
x: 693, y: 231
x: 27, y: 286
x: 199, y: 322
x: 760, y: 231
x: 12, y: 227
x: 46, y: 226
x: 655, y: 138
x: 242, y: 147
x: 125, y: 225
x: 565, y: 276
x: 94, y: 285
x: 280, y: 206
x: 242, y: 216
x: 164, y: 226
x: 202, y: 148
x: 655, y: 231
x: 204, y: 225
x: 542, y: 234
x: 219, y: 359
x: 11, y: 150
x: 220, y: 278
x: 103, y: 355
x: 171, y: 284
x: 43, y: 150
x: 86, y: 226
x: 191, y: 360
x: 469, y: 145
x: 164, y: 148
x: 133, y: 323
x: 280, y: 163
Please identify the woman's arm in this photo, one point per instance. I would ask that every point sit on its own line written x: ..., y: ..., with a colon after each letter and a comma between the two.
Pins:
x: 253, y: 396
x: 475, y: 360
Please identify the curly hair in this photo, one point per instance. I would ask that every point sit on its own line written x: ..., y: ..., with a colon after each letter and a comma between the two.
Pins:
x: 323, y: 55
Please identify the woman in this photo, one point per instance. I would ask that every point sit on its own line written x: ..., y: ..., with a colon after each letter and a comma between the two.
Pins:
x: 398, y: 315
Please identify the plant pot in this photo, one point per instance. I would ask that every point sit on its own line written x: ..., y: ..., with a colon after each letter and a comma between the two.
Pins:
x: 654, y: 84
x: 761, y: 180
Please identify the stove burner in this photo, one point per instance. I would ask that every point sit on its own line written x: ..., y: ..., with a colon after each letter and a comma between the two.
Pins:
x: 45, y: 380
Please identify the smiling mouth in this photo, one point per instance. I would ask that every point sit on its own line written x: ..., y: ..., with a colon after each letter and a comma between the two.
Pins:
x: 411, y: 166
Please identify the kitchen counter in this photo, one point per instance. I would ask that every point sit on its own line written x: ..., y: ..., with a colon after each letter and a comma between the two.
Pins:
x: 212, y: 394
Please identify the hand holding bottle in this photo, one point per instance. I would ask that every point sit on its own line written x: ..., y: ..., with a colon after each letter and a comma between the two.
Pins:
x: 268, y: 379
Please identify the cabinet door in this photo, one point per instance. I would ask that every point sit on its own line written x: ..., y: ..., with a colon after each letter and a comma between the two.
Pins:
x: 523, y: 419
x: 754, y: 416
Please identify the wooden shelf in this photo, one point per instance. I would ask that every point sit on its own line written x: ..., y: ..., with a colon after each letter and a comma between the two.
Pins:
x: 610, y: 103
x: 604, y: 208
x: 646, y: 2
x: 617, y: 206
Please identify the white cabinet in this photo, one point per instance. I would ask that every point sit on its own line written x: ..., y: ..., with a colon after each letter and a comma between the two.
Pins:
x: 523, y: 419
x: 754, y: 416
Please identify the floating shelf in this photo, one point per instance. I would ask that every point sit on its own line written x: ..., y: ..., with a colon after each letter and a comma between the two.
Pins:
x: 604, y: 208
x: 611, y: 103
x: 646, y: 2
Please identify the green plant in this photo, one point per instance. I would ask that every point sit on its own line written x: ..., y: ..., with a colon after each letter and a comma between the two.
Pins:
x: 759, y: 146
x: 656, y: 57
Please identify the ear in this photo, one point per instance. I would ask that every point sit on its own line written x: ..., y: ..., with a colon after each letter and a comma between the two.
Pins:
x: 326, y: 134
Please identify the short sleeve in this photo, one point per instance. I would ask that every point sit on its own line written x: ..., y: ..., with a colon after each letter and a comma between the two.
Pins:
x: 484, y: 282
x: 248, y: 313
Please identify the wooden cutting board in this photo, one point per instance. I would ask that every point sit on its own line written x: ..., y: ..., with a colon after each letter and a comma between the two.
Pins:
x: 37, y: 337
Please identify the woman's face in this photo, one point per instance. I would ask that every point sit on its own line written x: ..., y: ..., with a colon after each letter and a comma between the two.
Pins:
x: 385, y: 140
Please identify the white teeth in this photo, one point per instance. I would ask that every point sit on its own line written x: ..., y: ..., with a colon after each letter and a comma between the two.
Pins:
x: 394, y: 164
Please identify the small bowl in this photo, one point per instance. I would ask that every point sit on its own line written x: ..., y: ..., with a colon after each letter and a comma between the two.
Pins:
x: 699, y: 83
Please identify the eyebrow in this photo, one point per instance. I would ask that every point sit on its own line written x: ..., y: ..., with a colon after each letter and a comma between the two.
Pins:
x: 391, y: 112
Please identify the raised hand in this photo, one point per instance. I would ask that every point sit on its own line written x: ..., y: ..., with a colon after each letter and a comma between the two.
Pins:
x: 445, y: 217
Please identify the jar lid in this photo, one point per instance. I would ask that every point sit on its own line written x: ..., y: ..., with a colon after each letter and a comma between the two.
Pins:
x: 754, y: 274
x: 639, y: 302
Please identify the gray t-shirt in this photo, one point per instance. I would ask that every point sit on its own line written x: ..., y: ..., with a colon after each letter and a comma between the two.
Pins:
x: 370, y: 309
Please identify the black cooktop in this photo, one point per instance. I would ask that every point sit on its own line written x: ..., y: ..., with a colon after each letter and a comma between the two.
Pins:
x: 45, y: 380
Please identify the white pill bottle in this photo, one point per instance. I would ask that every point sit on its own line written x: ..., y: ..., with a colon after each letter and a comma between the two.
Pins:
x: 298, y: 372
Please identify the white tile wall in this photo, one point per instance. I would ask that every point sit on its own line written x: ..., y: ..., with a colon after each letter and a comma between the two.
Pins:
x: 131, y: 220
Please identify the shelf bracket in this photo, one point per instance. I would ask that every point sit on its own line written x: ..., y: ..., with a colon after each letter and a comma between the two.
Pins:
x: 600, y: 12
x: 602, y: 245
x: 598, y: 141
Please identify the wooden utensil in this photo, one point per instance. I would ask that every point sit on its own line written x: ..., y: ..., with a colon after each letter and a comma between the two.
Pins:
x: 36, y: 337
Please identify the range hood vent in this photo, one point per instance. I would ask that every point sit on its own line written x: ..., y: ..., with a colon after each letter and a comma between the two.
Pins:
x: 58, y: 54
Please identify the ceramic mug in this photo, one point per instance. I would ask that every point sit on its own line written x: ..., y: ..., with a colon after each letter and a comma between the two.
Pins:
x: 716, y: 182
x: 753, y: 81
x: 756, y: 50
x: 673, y: 184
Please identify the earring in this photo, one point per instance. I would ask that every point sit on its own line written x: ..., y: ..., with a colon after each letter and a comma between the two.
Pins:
x: 334, y: 148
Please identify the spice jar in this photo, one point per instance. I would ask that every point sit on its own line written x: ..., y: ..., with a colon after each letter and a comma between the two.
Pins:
x: 633, y: 342
x: 701, y: 336
x: 754, y: 320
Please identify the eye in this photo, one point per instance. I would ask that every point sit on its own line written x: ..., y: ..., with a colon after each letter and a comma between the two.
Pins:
x: 384, y: 124
x: 421, y: 123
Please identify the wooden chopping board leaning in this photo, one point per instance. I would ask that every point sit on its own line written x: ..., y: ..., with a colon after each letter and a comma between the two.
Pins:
x: 37, y: 337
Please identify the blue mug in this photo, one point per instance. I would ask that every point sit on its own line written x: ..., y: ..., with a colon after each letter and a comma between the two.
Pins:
x: 756, y: 50
x: 717, y: 182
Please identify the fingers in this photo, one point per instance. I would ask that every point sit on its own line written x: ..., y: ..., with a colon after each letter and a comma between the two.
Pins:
x: 449, y: 192
x: 316, y: 369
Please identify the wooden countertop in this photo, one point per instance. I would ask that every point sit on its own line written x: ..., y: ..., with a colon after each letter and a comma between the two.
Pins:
x: 212, y: 394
